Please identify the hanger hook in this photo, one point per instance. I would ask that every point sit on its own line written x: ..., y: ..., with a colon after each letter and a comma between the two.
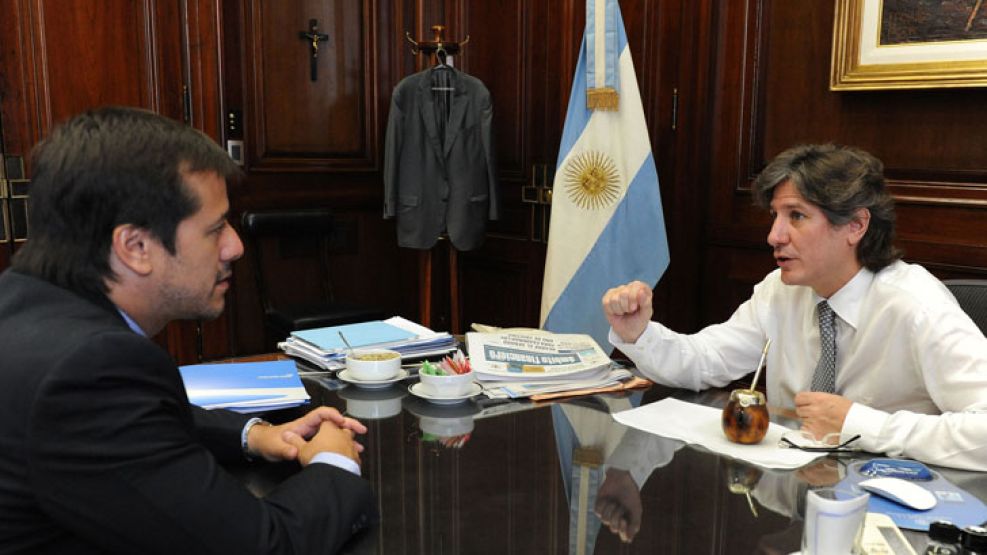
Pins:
x: 414, y: 44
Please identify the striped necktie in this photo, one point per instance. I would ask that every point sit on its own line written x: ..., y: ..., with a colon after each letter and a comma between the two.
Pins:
x: 824, y: 378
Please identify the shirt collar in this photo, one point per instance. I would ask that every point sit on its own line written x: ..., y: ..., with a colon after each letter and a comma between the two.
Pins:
x: 130, y: 322
x: 847, y: 301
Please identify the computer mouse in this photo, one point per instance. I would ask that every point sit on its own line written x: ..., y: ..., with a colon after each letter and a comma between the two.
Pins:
x: 907, y: 493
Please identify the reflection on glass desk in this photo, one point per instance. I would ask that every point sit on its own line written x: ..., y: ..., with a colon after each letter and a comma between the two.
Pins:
x: 531, y: 478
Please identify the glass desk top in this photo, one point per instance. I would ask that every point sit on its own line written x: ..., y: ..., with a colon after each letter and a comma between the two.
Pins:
x: 532, y: 478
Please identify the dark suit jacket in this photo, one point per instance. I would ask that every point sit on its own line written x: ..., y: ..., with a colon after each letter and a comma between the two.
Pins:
x: 437, y: 181
x: 100, y: 450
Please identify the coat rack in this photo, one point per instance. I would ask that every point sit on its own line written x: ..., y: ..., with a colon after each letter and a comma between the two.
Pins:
x: 438, y: 45
x: 442, y: 49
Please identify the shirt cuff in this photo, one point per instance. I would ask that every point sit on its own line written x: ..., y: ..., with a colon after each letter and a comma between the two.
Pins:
x: 647, y: 341
x: 867, y: 422
x: 644, y: 339
x: 337, y: 460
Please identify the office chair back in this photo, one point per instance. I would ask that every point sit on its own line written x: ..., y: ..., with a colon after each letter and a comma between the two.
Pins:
x: 972, y: 296
x: 293, y: 273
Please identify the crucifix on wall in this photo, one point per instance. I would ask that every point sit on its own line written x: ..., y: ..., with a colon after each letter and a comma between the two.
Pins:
x: 314, y: 37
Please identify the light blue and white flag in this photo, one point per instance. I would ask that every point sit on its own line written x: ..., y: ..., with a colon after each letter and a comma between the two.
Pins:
x: 607, y: 225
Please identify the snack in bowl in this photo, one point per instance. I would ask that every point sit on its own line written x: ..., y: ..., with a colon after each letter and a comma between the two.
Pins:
x: 452, y: 377
x: 373, y: 364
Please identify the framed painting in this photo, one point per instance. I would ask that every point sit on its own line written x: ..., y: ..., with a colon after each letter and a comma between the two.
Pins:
x: 909, y: 44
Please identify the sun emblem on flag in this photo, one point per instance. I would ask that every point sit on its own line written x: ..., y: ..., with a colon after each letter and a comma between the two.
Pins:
x: 592, y: 180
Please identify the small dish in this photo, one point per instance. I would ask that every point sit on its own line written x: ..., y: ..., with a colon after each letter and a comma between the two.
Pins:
x: 347, y: 376
x: 418, y: 391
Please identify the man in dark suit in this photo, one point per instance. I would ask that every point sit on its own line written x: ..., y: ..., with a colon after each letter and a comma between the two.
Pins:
x: 439, y: 168
x: 100, y: 450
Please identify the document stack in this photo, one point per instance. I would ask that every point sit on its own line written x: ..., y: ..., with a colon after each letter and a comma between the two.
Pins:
x: 324, y: 347
x: 515, y: 364
x: 244, y: 387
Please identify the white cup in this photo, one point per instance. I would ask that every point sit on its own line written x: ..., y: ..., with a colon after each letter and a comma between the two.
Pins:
x: 834, y: 521
x: 373, y: 364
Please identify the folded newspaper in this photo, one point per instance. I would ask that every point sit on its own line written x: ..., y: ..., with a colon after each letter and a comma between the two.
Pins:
x: 524, y: 363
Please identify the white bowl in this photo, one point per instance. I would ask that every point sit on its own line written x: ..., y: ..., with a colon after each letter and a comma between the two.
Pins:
x: 373, y: 364
x: 456, y: 385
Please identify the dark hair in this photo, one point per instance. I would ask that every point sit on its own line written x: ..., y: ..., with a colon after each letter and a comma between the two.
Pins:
x: 101, y: 169
x: 839, y: 180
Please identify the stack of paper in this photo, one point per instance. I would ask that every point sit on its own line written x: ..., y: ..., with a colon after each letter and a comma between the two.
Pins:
x: 525, y: 363
x: 244, y: 387
x: 324, y: 347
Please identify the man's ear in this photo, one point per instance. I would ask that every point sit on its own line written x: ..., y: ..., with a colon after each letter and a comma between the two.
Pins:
x: 858, y: 226
x: 132, y: 247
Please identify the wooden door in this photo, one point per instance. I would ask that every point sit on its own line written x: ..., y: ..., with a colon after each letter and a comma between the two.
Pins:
x: 61, y: 57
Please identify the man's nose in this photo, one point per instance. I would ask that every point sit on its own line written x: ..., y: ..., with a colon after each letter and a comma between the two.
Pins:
x: 778, y: 234
x: 233, y: 248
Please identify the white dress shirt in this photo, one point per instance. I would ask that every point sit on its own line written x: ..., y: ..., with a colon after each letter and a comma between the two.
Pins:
x: 912, y: 361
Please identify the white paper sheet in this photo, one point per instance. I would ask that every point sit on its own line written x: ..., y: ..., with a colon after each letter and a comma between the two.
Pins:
x: 699, y: 424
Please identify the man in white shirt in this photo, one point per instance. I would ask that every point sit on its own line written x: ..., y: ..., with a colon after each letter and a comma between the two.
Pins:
x: 910, y: 366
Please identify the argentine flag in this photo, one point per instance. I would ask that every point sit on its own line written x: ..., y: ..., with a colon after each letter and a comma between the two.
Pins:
x: 607, y: 226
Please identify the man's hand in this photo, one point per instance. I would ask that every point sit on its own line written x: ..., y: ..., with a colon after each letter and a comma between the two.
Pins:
x: 821, y: 413
x: 618, y: 504
x: 329, y: 438
x: 269, y: 441
x: 628, y: 309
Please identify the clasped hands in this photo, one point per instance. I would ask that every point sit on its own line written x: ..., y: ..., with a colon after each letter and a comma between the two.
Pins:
x: 322, y: 429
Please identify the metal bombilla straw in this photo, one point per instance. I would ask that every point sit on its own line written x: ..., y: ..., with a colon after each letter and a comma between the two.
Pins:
x: 760, y: 365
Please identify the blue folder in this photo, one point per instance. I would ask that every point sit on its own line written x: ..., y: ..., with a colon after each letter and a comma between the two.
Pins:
x: 215, y: 385
x: 363, y: 334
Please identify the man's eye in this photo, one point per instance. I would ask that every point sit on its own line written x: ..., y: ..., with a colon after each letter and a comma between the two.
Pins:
x: 797, y: 216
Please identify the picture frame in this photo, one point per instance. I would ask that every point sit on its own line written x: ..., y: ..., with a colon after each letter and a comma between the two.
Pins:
x: 861, y: 62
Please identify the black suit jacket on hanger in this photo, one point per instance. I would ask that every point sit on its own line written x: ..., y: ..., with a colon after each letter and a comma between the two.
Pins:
x: 435, y: 182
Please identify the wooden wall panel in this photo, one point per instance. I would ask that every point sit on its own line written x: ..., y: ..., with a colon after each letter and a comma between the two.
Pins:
x: 501, y: 64
x: 292, y: 121
x: 770, y: 91
x: 86, y: 48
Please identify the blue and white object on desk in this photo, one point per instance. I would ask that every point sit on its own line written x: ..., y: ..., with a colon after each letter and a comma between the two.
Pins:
x: 363, y: 334
x: 244, y: 387
x: 952, y: 502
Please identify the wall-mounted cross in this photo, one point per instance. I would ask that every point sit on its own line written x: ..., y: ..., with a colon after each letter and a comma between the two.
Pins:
x: 313, y: 36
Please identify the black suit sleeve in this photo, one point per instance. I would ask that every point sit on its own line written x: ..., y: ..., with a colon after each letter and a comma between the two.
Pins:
x: 220, y: 431
x: 115, y: 457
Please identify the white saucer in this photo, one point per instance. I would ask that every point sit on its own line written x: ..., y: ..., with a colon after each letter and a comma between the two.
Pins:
x: 370, y: 384
x: 417, y: 390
